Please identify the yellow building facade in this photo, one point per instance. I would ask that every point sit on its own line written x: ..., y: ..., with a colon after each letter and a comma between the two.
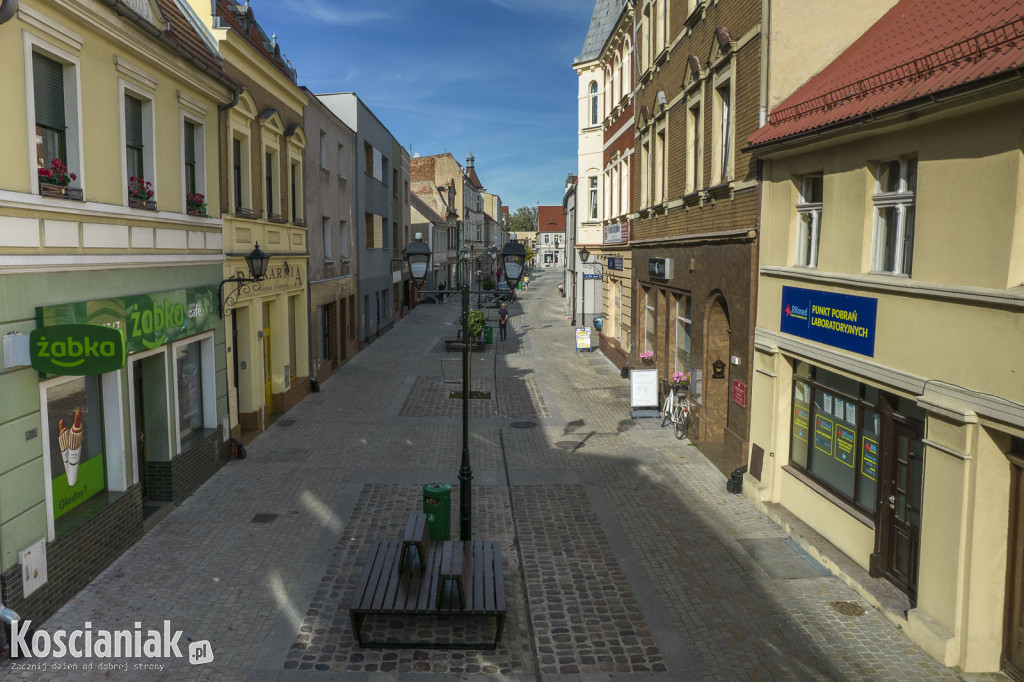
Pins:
x: 887, y: 429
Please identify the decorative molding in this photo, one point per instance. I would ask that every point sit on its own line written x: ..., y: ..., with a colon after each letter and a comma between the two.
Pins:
x: 50, y: 28
x: 133, y: 72
x: 195, y: 106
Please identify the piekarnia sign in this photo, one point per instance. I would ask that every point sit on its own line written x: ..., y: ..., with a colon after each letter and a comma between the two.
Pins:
x: 838, y: 320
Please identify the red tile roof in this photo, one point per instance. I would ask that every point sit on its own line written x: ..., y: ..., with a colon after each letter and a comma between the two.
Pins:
x: 180, y: 30
x: 242, y: 21
x: 471, y: 174
x: 550, y: 219
x: 918, y: 49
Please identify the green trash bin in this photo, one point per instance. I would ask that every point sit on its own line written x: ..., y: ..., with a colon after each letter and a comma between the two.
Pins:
x: 488, y: 333
x: 437, y: 505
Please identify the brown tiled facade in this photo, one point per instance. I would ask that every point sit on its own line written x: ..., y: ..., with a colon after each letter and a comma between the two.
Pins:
x: 696, y: 207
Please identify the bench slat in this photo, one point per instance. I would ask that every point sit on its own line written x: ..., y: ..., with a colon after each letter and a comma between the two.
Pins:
x: 383, y: 595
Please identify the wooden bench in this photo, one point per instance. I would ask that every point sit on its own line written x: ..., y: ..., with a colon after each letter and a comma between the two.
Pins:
x: 386, y: 588
x: 416, y: 537
x: 458, y: 344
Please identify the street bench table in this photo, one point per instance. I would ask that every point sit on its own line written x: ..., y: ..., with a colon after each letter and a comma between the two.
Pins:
x: 384, y: 588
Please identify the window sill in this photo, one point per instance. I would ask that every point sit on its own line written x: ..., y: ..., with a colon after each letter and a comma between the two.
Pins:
x: 828, y: 494
x: 325, y: 169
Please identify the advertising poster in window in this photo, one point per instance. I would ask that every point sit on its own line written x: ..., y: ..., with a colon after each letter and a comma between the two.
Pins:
x: 801, y: 422
x: 824, y: 434
x: 846, y: 440
x: 75, y: 435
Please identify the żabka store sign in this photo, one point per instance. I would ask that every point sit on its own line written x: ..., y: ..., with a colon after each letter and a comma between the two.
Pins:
x: 147, y: 321
x: 77, y: 349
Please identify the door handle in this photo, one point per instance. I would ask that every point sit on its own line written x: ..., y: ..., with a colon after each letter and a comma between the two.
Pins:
x: 892, y: 502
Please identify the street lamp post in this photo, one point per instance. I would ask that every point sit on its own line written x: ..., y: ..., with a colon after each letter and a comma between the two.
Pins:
x: 512, y: 255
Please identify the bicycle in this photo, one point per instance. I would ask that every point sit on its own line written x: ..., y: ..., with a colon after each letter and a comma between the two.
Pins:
x: 677, y: 410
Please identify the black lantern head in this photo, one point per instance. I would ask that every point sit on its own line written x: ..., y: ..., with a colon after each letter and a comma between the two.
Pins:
x: 584, y: 254
x: 513, y: 256
x: 417, y: 255
x: 257, y: 262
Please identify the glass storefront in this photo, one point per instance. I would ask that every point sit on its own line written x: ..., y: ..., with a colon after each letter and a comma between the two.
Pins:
x: 189, y: 377
x: 836, y: 433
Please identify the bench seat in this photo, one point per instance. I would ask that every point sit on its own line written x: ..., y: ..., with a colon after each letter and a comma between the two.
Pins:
x: 384, y: 588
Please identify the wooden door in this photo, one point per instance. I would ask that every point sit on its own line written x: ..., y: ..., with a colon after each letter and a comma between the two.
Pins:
x: 901, y: 509
x: 268, y: 387
x: 1013, y: 632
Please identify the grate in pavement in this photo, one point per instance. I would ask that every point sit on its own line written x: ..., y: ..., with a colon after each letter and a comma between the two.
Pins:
x: 284, y: 423
x: 523, y: 425
x: 847, y: 608
x: 568, y: 444
x: 263, y: 518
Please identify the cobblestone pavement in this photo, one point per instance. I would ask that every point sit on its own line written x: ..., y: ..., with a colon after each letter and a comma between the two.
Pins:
x: 624, y: 557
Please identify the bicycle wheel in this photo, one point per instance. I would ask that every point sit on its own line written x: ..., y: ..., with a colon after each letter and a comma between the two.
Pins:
x: 679, y: 425
x: 666, y: 410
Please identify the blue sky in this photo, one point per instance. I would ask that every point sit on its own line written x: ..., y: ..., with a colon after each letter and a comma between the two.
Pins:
x: 492, y: 75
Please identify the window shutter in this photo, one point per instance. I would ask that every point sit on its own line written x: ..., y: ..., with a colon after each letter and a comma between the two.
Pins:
x: 48, y: 84
x: 190, y: 143
x: 133, y: 121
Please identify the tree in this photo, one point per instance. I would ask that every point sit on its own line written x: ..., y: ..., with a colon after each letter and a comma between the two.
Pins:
x: 523, y: 220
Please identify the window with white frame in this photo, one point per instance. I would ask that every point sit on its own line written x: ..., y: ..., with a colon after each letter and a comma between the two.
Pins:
x: 650, y: 330
x: 193, y: 156
x: 295, y: 191
x: 645, y: 173
x: 594, y: 104
x: 694, y: 142
x: 272, y: 200
x: 593, y: 198
x: 328, y: 246
x: 723, y: 133
x: 138, y: 136
x: 241, y: 172
x: 54, y: 97
x: 893, y: 242
x: 808, y: 227
x: 658, y: 26
x: 660, y: 164
x: 627, y: 72
x: 616, y: 83
x: 683, y: 317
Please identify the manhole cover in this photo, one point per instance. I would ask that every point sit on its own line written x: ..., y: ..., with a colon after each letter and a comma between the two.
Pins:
x: 284, y: 423
x: 523, y: 425
x: 568, y: 444
x: 847, y: 608
x: 263, y: 518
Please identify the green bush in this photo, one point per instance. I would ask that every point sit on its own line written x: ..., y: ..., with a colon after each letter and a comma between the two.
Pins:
x: 488, y: 284
x: 476, y: 323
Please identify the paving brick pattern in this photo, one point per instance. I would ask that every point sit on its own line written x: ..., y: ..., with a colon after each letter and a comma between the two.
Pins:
x: 621, y: 548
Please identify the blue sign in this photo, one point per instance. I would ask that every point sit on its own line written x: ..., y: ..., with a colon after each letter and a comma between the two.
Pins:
x: 591, y: 275
x: 838, y: 320
x: 614, y: 263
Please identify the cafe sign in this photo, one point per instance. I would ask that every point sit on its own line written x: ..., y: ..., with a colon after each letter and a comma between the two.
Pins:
x: 147, y: 321
x: 77, y: 349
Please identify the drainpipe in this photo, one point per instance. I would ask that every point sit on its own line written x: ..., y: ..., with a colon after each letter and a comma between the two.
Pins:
x: 8, y: 10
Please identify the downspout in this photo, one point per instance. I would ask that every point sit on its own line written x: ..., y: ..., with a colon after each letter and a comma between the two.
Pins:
x: 7, y: 10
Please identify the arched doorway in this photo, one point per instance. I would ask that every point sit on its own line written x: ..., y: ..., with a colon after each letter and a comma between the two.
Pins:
x: 715, y: 398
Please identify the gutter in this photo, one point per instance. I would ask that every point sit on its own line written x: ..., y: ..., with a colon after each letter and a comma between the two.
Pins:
x: 152, y: 30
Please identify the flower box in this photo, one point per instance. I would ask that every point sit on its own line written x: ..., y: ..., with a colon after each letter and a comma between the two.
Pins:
x: 60, y: 191
x: 144, y: 204
x: 196, y: 212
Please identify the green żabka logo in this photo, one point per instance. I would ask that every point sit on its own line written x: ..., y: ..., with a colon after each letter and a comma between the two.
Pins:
x: 150, y: 325
x: 77, y: 349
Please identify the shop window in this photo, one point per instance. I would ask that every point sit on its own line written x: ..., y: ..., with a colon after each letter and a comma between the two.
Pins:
x: 808, y: 209
x: 82, y: 462
x: 894, y: 201
x: 836, y: 434
x: 194, y: 375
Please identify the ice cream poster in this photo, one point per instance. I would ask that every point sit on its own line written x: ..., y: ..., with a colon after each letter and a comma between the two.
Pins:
x: 74, y: 430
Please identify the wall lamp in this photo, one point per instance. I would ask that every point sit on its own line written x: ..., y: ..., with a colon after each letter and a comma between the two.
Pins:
x: 257, y: 262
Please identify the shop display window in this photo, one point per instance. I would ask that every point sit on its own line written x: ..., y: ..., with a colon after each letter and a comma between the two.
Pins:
x: 193, y: 375
x: 835, y: 433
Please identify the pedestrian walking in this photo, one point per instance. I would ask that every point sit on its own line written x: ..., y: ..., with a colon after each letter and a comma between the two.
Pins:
x: 502, y: 322
x: 440, y: 296
x: 526, y: 282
